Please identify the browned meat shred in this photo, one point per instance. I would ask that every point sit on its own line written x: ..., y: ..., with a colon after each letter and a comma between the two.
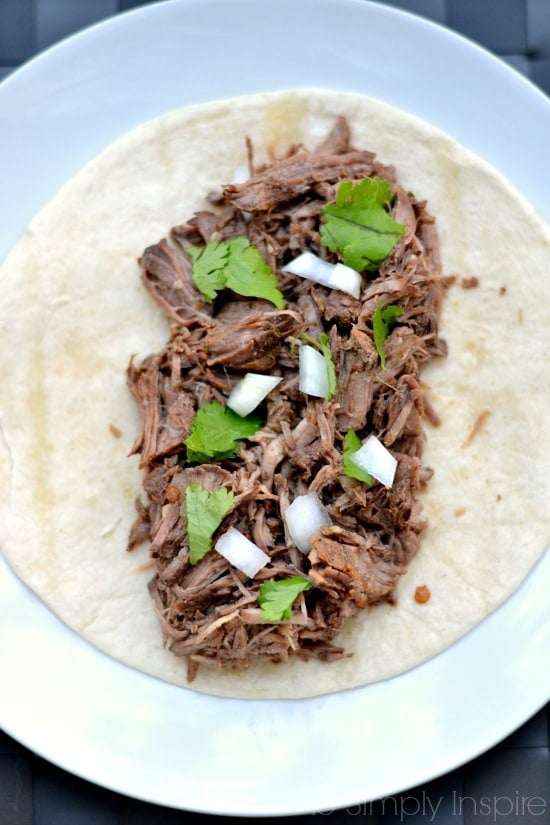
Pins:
x: 209, y: 611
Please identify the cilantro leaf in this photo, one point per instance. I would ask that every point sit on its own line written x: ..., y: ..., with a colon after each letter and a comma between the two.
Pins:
x: 205, y: 512
x: 382, y: 322
x: 237, y: 265
x: 216, y: 432
x: 248, y: 274
x: 352, y: 443
x: 208, y: 264
x: 277, y: 597
x: 358, y: 225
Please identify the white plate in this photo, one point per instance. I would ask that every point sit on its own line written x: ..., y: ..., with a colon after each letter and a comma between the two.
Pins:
x: 133, y: 733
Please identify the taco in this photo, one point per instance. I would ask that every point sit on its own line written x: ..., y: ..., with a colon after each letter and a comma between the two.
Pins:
x: 74, y: 313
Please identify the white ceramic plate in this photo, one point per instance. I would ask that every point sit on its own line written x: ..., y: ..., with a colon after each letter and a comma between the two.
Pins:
x: 133, y: 733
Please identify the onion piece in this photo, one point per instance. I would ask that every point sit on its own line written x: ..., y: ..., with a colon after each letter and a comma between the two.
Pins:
x: 377, y: 460
x: 346, y: 279
x: 251, y: 391
x: 336, y: 276
x: 310, y: 266
x: 241, y: 174
x: 313, y: 375
x: 303, y: 518
x: 241, y: 552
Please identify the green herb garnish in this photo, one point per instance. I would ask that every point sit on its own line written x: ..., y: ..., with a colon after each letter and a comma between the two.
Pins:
x: 352, y: 443
x: 277, y: 597
x: 382, y: 322
x: 358, y: 225
x: 205, y: 512
x: 217, y: 431
x: 234, y: 264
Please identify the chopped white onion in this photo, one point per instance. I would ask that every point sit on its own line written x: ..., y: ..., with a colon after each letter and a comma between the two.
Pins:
x: 241, y: 174
x: 241, y: 552
x: 310, y: 266
x: 376, y: 460
x: 313, y: 375
x: 251, y: 391
x: 336, y: 276
x: 304, y: 517
x: 346, y: 279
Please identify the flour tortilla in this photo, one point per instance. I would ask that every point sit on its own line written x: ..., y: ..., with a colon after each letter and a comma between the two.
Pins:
x: 73, y: 311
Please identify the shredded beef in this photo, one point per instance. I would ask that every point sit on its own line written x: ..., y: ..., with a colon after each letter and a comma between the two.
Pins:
x: 348, y: 565
x: 166, y: 274
x: 209, y: 611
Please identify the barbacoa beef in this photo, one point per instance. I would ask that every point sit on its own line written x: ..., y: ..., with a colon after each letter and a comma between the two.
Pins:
x: 209, y: 611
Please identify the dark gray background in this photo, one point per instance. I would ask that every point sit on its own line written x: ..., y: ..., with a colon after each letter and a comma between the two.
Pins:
x: 510, y: 784
x: 517, y: 30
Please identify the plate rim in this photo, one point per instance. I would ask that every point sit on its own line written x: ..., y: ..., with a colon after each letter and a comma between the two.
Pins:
x: 74, y: 42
